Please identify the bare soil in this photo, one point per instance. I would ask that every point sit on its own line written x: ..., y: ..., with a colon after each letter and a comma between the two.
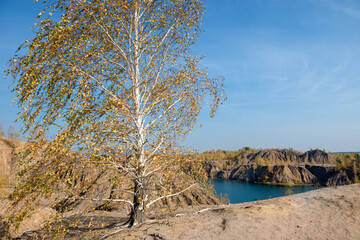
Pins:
x: 328, y: 213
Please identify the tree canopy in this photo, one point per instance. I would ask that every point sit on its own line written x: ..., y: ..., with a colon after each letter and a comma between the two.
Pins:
x: 117, y: 82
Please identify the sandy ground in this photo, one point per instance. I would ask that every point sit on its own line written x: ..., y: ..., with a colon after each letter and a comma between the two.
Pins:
x: 329, y: 213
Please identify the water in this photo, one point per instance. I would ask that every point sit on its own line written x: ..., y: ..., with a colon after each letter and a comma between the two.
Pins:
x: 239, y: 192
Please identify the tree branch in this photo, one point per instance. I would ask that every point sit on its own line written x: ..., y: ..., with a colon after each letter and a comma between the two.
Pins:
x: 98, y: 199
x: 170, y: 195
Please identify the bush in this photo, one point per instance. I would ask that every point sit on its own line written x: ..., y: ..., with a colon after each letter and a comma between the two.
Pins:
x: 224, y: 199
x: 4, y: 229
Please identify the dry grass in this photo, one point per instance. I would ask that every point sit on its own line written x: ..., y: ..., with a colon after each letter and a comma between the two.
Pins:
x: 6, y: 184
x: 7, y: 180
x: 4, y: 193
x: 10, y: 142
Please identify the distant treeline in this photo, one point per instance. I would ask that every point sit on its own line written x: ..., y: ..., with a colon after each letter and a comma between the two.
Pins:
x: 262, y: 157
x: 347, y: 160
x: 223, y: 154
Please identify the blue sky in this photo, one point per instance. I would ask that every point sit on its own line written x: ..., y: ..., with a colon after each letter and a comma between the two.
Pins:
x: 292, y: 70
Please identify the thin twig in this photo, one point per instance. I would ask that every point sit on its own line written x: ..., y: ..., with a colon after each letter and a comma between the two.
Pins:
x: 106, y: 236
x: 170, y: 195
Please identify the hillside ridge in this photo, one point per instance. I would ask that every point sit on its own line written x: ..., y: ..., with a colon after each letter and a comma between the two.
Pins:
x: 283, y: 166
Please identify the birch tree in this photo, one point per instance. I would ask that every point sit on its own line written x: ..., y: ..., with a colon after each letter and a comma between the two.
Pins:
x: 118, y: 84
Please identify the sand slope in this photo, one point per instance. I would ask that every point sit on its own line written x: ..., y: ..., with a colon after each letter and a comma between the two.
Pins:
x: 329, y: 213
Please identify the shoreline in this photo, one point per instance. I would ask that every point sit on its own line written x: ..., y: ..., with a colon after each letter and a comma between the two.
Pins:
x: 271, y: 184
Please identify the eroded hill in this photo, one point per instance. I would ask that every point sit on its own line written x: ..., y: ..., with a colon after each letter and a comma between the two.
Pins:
x: 98, y: 183
x: 283, y: 166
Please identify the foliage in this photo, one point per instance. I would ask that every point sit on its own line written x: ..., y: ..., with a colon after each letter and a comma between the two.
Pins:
x: 289, y: 191
x: 118, y: 84
x: 224, y: 198
x: 348, y: 161
x: 224, y: 154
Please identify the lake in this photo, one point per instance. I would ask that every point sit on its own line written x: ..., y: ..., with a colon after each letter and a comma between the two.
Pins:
x: 239, y: 192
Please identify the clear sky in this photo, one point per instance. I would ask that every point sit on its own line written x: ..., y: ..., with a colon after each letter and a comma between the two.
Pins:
x: 292, y: 70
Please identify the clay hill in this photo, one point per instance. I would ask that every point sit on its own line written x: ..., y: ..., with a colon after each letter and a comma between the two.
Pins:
x: 8, y: 149
x: 285, y: 166
x: 286, y: 155
x: 100, y: 186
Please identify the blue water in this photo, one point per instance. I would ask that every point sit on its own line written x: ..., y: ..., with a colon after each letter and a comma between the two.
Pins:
x: 239, y: 192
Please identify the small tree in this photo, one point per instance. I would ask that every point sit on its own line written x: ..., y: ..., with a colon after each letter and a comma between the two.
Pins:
x: 12, y: 134
x: 2, y: 133
x: 116, y: 80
